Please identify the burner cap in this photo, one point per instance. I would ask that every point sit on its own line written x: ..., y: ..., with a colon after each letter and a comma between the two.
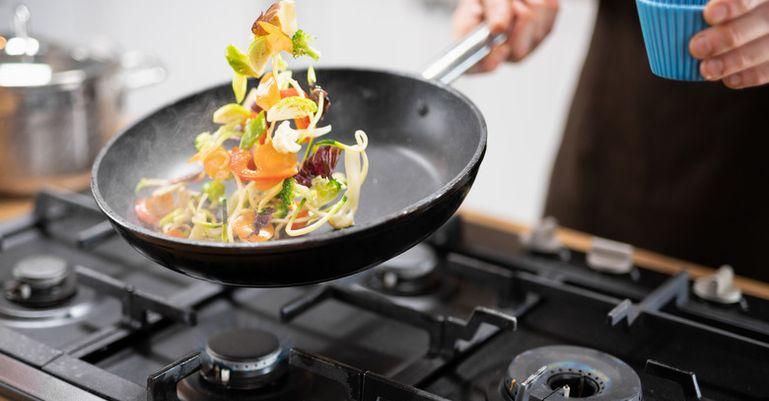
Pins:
x: 243, y: 359
x: 40, y: 281
x: 242, y: 345
x: 411, y: 273
x: 41, y: 270
x: 576, y: 371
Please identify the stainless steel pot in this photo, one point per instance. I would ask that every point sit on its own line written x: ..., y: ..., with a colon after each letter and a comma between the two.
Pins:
x: 58, y: 105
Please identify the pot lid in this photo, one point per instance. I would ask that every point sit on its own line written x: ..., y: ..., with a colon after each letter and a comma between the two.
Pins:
x: 26, y: 61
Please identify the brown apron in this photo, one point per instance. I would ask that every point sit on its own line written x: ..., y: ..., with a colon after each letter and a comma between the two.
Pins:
x: 675, y: 167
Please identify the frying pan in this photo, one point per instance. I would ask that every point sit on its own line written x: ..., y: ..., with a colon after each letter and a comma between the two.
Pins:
x: 426, y: 143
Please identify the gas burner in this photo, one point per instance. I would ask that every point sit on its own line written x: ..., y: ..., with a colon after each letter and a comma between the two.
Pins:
x: 41, y: 281
x: 247, y: 364
x: 411, y: 279
x: 413, y: 273
x: 43, y: 293
x: 563, y: 372
x: 243, y: 359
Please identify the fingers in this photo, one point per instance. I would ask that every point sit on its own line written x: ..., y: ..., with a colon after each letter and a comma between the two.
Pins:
x: 550, y: 9
x: 755, y: 76
x: 736, y: 48
x: 719, y: 11
x: 467, y: 16
x: 732, y: 34
x: 533, y: 20
x: 498, y: 15
x: 526, y: 22
x: 732, y: 62
x: 498, y: 55
x: 470, y: 13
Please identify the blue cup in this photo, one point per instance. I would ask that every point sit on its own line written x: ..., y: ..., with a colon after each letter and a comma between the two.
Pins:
x: 668, y: 26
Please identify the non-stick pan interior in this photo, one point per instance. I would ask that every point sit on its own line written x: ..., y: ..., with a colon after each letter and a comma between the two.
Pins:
x: 421, y: 136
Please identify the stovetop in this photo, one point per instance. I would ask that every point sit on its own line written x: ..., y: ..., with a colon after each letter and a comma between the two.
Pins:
x: 470, y: 314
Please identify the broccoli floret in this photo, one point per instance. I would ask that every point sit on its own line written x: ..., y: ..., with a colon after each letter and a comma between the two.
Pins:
x: 325, y: 189
x: 301, y: 41
x: 214, y: 189
x: 286, y: 197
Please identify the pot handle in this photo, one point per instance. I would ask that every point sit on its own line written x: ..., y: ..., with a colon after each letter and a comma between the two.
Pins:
x: 461, y: 56
x: 141, y: 70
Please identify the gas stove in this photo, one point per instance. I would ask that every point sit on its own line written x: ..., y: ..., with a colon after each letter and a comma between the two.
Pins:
x: 473, y: 313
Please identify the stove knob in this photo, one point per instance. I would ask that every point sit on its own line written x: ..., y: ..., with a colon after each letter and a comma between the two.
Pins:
x: 610, y: 256
x: 718, y: 287
x: 542, y: 237
x: 224, y: 376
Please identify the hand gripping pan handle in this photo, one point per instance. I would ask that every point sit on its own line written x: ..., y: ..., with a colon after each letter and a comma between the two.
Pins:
x: 460, y: 57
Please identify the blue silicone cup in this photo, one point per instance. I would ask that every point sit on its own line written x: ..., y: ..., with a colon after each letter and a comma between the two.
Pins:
x: 668, y: 26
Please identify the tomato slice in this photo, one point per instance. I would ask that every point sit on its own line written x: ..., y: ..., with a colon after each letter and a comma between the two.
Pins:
x: 270, y: 161
x: 302, y: 123
x: 289, y: 92
x: 298, y: 225
x: 178, y: 233
x: 268, y: 169
x: 267, y: 93
x: 216, y: 164
x: 143, y: 213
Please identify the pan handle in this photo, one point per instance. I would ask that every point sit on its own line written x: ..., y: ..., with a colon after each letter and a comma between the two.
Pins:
x: 461, y: 56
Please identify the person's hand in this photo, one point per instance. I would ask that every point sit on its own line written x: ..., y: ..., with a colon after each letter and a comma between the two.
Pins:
x: 526, y: 22
x: 735, y: 49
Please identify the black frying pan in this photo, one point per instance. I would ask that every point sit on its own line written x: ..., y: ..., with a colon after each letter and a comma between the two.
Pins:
x: 426, y: 143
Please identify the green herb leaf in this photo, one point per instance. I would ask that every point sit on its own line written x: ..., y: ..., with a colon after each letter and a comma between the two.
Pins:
x: 255, y: 128
x: 326, y: 142
x: 239, y: 86
x: 258, y: 55
x: 311, y: 78
x: 224, y: 219
x: 239, y: 62
x: 231, y: 113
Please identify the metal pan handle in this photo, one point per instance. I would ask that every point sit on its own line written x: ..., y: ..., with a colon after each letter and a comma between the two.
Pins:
x: 464, y: 54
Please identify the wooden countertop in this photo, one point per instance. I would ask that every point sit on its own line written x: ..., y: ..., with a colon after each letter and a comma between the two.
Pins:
x: 580, y: 241
x: 576, y: 240
x: 10, y: 208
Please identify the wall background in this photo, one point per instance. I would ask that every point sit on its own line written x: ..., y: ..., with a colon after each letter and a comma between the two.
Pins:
x: 525, y: 104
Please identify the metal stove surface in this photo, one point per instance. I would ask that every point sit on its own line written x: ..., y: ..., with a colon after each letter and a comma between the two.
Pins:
x: 444, y: 322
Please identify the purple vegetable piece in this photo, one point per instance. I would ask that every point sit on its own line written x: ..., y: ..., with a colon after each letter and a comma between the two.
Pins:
x: 320, y: 164
x: 263, y: 218
x: 315, y: 97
